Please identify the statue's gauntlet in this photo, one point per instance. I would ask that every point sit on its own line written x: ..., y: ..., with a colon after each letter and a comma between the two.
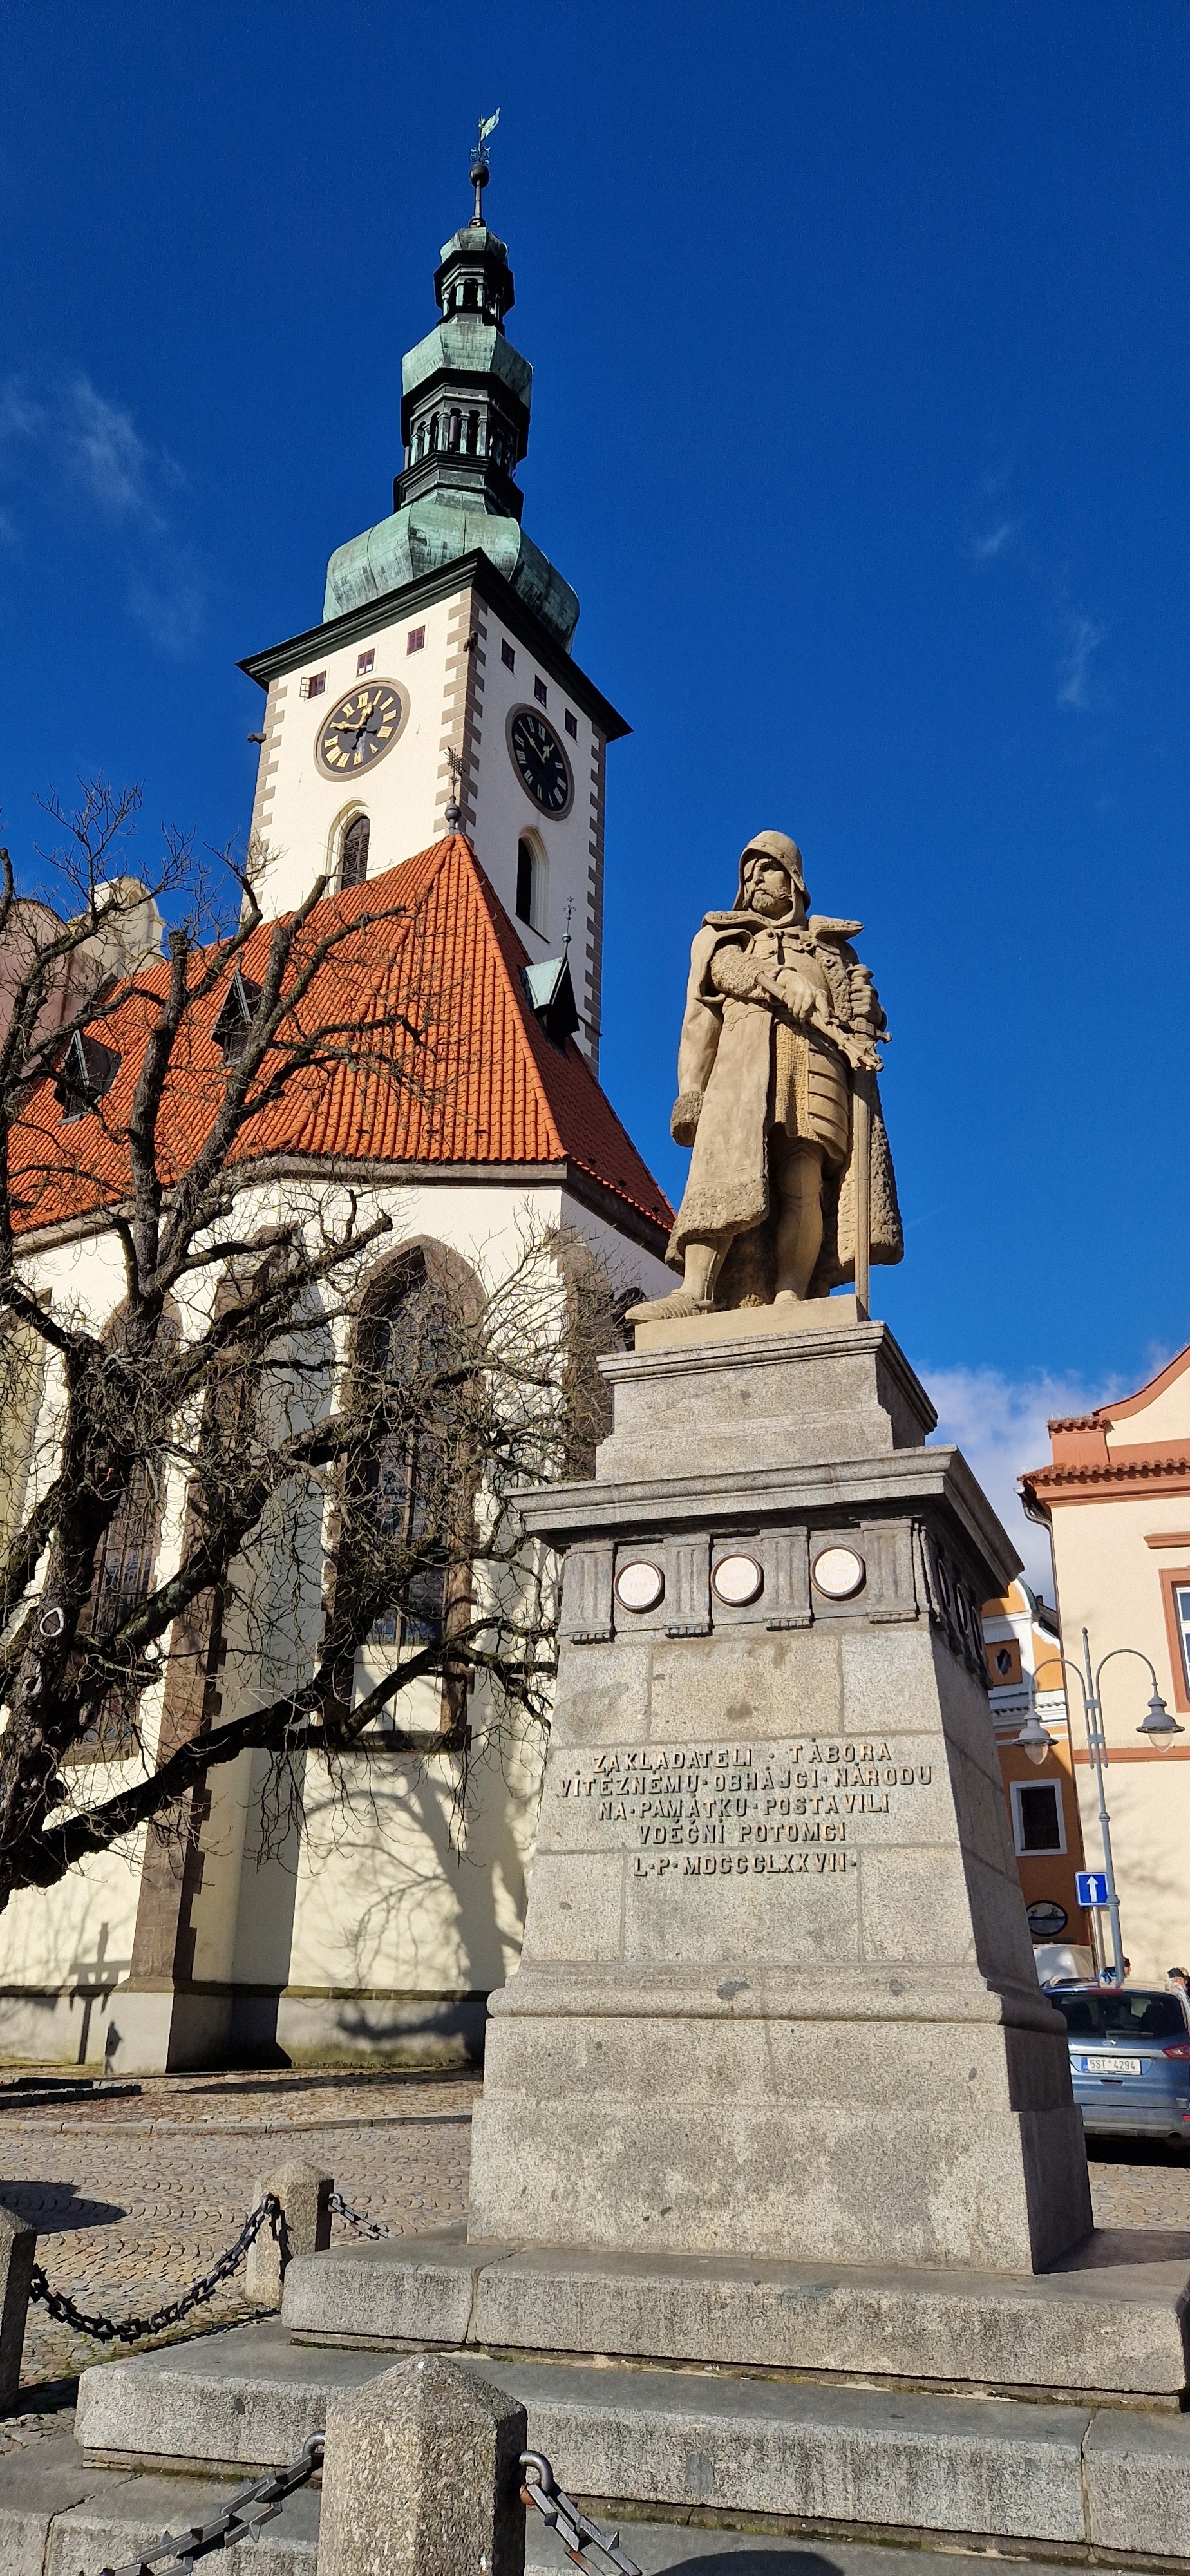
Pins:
x: 684, y: 1117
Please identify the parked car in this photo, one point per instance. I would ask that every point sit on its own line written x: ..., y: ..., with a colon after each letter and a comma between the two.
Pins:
x: 1063, y: 1963
x: 1129, y: 2058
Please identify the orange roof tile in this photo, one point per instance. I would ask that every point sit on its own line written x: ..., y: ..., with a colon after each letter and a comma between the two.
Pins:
x: 474, y: 1079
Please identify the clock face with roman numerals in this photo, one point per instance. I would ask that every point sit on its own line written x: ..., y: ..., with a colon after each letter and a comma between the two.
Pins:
x: 540, y: 762
x: 359, y: 731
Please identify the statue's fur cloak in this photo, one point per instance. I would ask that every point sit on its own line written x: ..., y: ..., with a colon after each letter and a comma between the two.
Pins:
x: 725, y: 1082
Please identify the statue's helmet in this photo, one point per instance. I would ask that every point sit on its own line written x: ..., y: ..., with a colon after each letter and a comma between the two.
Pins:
x: 771, y: 845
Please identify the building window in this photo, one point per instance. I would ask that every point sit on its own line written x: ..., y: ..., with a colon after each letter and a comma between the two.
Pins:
x: 353, y: 858
x: 314, y: 685
x: 365, y: 662
x: 572, y: 725
x: 472, y: 432
x: 540, y: 691
x: 507, y: 655
x: 235, y: 1018
x: 531, y: 877
x: 1037, y: 1817
x: 87, y: 1071
x: 415, y: 639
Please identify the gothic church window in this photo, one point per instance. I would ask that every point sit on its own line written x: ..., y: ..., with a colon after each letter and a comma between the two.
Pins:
x: 402, y: 1513
x: 122, y: 1579
x: 456, y: 422
x: 353, y: 860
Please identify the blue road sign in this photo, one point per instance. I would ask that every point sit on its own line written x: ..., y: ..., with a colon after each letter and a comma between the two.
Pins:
x: 1090, y: 1886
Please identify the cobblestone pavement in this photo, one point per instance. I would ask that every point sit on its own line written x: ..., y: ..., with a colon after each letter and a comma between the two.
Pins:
x: 133, y: 2195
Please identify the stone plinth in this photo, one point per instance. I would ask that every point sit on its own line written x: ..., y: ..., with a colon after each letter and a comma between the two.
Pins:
x: 777, y: 1994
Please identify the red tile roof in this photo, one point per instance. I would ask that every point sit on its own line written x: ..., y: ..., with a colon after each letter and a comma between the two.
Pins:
x: 476, y: 1081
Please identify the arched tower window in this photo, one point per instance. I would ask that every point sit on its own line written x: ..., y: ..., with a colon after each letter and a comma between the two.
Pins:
x: 456, y: 423
x: 471, y: 294
x: 420, y: 446
x: 531, y: 879
x: 472, y: 432
x: 434, y: 435
x: 353, y: 856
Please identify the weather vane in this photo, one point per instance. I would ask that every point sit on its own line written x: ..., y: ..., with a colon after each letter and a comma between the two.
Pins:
x: 480, y: 173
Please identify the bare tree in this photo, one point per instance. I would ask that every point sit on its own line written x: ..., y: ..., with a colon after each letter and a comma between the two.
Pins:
x: 340, y: 1463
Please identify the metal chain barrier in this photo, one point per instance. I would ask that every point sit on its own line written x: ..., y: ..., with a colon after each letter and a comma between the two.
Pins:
x: 574, y: 2528
x: 135, y: 2329
x: 357, y: 2218
x: 240, y: 2520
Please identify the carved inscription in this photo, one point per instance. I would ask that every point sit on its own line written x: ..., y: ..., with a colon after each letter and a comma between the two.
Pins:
x: 798, y: 1809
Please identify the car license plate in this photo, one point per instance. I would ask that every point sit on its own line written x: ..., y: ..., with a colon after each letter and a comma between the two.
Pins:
x: 1111, y: 2065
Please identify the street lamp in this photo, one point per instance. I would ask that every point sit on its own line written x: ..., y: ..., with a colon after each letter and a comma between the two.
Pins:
x: 1157, y: 1727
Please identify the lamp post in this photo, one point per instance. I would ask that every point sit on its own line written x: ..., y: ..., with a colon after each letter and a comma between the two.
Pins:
x: 1157, y: 1726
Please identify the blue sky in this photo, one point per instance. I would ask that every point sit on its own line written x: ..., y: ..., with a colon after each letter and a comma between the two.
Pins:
x: 859, y: 425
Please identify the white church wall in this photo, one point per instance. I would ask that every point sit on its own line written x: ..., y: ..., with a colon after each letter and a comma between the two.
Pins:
x: 62, y: 1952
x: 378, y: 1928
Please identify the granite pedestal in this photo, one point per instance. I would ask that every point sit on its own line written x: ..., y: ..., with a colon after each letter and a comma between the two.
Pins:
x: 777, y: 1993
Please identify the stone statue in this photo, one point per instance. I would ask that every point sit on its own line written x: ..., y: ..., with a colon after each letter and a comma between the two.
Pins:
x: 778, y: 1096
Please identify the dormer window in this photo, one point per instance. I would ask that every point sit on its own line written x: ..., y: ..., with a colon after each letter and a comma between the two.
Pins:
x: 235, y: 1019
x: 353, y: 860
x: 87, y: 1071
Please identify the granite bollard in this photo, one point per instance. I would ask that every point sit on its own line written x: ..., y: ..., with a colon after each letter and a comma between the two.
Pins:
x: 18, y: 2245
x: 421, y: 2476
x: 305, y: 2197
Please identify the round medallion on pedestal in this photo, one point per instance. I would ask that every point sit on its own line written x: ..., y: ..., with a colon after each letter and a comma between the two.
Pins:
x: 639, y: 1584
x: 737, y: 1580
x: 838, y: 1572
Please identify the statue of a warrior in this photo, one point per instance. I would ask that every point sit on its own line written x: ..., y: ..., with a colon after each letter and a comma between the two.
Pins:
x: 778, y: 1096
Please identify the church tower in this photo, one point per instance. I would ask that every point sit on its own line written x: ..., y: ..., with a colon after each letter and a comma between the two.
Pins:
x: 440, y: 689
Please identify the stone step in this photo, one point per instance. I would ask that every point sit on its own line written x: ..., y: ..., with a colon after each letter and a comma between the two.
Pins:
x: 61, y: 2517
x: 873, y: 2463
x: 1109, y: 2322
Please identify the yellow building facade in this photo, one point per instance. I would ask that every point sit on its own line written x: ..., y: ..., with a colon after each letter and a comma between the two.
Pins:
x: 1116, y: 1499
x: 1020, y: 1641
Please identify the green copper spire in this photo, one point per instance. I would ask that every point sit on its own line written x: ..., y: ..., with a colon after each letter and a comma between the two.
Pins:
x: 466, y: 398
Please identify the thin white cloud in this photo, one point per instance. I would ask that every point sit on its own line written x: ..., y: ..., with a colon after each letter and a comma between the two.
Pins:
x: 1084, y: 635
x: 999, y: 1423
x: 986, y: 548
x: 107, y: 457
x: 61, y: 439
x: 169, y: 603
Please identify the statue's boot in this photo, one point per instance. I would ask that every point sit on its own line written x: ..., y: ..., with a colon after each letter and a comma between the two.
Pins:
x: 671, y: 1309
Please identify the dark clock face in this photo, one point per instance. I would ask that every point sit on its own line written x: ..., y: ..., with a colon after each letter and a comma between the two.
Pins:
x: 359, y: 731
x: 541, y: 763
